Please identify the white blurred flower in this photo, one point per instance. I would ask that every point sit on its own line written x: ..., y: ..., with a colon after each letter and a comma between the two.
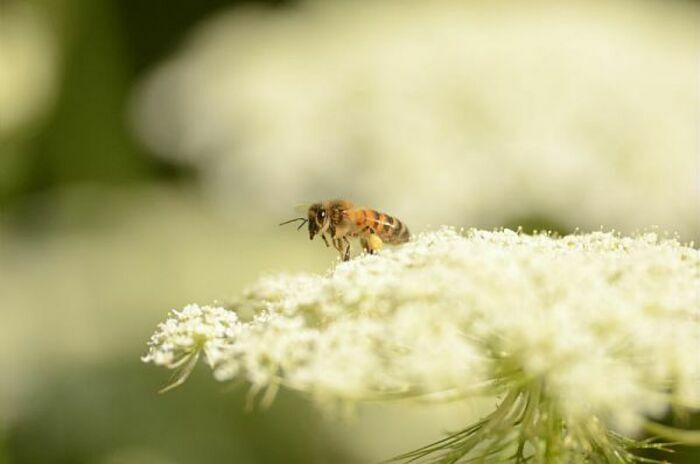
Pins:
x: 595, y: 333
x: 28, y: 65
x: 584, y: 114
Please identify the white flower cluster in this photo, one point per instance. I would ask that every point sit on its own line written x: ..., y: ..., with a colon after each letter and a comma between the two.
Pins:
x: 516, y: 105
x: 609, y: 326
x: 189, y: 331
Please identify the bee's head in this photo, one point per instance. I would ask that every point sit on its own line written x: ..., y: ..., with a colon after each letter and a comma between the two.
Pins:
x: 318, y: 220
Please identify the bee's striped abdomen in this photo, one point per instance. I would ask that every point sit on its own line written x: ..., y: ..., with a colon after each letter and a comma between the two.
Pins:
x: 389, y: 229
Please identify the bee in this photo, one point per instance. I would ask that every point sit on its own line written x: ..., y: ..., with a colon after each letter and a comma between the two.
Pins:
x: 342, y: 221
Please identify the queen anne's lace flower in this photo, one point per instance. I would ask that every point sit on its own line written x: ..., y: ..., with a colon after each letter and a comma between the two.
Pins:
x: 584, y: 334
x: 179, y: 340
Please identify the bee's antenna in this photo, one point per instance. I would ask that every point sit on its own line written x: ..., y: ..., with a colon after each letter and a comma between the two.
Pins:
x: 303, y: 221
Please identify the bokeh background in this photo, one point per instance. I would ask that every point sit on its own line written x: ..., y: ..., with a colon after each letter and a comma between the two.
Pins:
x: 148, y: 148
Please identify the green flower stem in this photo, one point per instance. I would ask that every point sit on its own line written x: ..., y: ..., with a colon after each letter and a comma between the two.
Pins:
x: 688, y: 437
x: 528, y: 427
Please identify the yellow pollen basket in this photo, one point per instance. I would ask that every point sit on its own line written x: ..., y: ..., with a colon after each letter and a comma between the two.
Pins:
x: 374, y: 242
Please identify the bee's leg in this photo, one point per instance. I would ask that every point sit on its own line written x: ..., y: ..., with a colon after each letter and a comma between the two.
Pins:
x: 331, y: 229
x: 346, y: 255
x: 365, y: 245
x: 338, y: 244
x: 325, y: 240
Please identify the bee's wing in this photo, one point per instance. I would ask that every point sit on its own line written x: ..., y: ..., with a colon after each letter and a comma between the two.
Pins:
x: 386, y: 223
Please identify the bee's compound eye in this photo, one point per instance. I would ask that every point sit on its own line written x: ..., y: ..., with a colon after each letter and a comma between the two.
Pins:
x: 321, y: 214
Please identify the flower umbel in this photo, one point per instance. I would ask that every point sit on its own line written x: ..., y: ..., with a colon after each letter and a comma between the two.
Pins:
x: 585, y: 338
x: 179, y: 340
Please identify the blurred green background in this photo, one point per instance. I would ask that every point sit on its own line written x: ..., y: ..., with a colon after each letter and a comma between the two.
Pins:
x: 149, y: 147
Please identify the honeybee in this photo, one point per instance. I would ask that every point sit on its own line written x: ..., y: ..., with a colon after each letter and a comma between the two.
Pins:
x: 341, y: 220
